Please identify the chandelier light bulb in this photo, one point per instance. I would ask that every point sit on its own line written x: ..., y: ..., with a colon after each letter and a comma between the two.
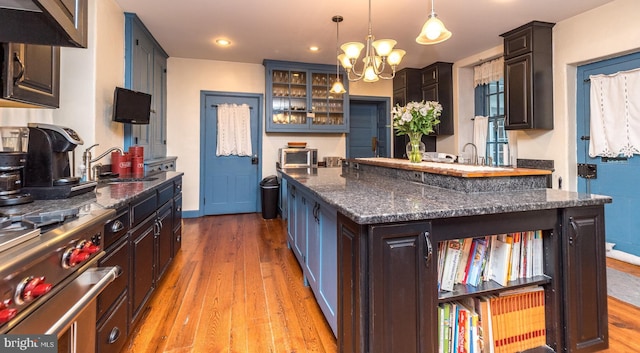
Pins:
x: 352, y: 49
x: 345, y: 62
x: 370, y: 74
x: 384, y: 46
x: 395, y: 57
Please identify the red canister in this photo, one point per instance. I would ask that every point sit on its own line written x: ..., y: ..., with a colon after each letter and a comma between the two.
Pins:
x: 136, y: 151
x: 118, y: 163
x: 137, y: 167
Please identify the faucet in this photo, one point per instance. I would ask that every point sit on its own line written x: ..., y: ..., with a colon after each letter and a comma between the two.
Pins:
x: 86, y: 158
x: 474, y: 155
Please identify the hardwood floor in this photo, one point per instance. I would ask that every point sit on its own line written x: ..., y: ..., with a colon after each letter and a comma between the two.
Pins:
x: 236, y: 287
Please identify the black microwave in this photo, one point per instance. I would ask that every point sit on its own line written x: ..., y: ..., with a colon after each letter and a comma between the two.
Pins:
x: 297, y: 158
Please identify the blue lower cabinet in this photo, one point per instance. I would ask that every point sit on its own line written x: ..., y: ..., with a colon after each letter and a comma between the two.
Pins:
x: 312, y: 236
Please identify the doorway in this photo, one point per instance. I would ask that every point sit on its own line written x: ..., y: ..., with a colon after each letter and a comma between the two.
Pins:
x: 229, y: 184
x: 369, y: 127
x: 615, y: 177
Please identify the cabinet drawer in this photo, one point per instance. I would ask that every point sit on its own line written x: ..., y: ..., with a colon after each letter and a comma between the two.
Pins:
x: 518, y: 43
x: 116, y: 228
x: 165, y: 193
x: 177, y: 211
x: 143, y: 208
x: 116, y: 257
x: 112, y: 333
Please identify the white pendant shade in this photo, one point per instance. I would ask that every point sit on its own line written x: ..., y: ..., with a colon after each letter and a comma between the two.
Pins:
x: 352, y: 49
x: 433, y: 31
x: 338, y: 88
x: 384, y: 46
x: 395, y: 57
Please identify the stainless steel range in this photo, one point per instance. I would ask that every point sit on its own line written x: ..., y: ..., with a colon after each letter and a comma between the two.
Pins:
x: 48, y: 274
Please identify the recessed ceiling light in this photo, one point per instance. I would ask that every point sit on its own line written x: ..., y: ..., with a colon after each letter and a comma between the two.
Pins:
x: 314, y: 48
x: 223, y: 42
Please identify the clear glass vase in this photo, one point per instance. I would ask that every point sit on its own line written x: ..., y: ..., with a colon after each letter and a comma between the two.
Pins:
x: 415, y: 147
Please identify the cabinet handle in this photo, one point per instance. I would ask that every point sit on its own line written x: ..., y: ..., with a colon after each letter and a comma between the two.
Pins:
x: 16, y: 58
x: 574, y: 227
x: 114, y: 335
x: 428, y: 249
x: 117, y: 226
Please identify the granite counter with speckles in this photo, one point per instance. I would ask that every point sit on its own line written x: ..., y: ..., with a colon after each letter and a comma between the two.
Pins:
x: 368, y: 197
x: 106, y: 195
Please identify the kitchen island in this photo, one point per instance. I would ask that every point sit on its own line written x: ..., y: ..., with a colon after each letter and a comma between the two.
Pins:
x: 386, y: 233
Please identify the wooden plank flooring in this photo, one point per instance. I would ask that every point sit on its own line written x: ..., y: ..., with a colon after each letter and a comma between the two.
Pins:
x: 236, y: 287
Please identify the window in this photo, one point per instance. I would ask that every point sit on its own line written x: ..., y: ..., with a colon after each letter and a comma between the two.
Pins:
x: 490, y: 103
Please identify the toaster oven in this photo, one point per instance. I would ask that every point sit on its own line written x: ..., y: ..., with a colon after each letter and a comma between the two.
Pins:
x: 297, y: 158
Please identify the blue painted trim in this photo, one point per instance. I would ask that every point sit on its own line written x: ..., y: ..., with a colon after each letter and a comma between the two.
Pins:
x: 191, y: 214
x: 203, y: 117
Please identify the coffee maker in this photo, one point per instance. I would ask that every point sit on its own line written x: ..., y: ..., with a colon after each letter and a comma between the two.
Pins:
x: 48, y: 170
x: 13, y: 158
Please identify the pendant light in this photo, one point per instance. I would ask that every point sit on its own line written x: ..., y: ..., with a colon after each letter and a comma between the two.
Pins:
x: 338, y: 87
x: 433, y: 31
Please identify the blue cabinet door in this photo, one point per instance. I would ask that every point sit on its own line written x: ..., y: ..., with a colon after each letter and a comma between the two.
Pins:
x: 313, y: 255
x: 327, y: 292
x: 300, y: 235
x: 291, y: 215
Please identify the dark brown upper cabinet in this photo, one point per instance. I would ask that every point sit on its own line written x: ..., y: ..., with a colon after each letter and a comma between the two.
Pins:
x: 30, y: 76
x: 528, y: 77
x: 46, y: 22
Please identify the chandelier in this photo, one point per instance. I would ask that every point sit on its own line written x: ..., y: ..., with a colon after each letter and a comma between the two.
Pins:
x: 433, y: 31
x: 377, y: 56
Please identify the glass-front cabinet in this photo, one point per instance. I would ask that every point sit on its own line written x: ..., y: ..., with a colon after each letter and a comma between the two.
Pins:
x: 299, y: 98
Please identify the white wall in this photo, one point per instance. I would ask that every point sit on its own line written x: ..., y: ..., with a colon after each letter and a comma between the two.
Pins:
x: 187, y: 78
x: 608, y: 31
x: 87, y: 79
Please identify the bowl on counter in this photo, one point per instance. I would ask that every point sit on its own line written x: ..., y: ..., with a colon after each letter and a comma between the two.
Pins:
x: 296, y: 144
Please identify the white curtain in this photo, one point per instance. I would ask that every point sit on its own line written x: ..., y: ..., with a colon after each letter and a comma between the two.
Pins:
x: 480, y: 128
x: 615, y: 114
x: 488, y: 72
x: 511, y: 154
x: 234, y: 130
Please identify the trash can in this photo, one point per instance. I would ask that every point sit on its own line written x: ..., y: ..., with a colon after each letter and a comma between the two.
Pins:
x: 270, y: 191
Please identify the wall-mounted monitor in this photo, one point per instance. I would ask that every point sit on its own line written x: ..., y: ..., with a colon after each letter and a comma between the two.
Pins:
x: 131, y: 107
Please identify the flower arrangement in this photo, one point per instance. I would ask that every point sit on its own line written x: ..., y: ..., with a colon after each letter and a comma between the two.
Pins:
x: 419, y: 117
x: 416, y: 119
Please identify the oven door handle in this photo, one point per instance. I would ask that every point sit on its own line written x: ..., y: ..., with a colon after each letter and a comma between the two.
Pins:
x: 99, y: 278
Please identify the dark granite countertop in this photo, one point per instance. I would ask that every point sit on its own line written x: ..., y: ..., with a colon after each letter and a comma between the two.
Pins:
x: 369, y: 198
x: 106, y: 195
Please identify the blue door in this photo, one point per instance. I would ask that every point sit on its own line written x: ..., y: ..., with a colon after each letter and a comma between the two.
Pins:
x: 616, y: 177
x: 229, y: 183
x: 369, y: 132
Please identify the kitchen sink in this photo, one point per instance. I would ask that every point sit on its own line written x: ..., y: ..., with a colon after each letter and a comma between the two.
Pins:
x: 128, y: 180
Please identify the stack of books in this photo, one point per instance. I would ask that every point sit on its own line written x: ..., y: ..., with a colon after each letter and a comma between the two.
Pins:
x: 510, y: 322
x: 501, y: 258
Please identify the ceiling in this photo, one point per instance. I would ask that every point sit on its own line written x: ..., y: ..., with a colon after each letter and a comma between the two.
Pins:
x: 285, y: 29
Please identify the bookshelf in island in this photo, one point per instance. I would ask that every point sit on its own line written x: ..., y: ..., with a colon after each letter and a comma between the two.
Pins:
x: 391, y: 226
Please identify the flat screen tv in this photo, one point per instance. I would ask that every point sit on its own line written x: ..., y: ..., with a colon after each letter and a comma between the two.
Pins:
x: 131, y: 107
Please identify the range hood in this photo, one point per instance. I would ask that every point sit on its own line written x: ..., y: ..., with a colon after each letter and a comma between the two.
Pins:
x: 47, y: 22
